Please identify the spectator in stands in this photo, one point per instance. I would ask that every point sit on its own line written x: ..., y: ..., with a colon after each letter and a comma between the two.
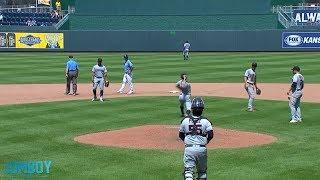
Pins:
x: 58, y: 7
x: 28, y: 22
x: 1, y: 17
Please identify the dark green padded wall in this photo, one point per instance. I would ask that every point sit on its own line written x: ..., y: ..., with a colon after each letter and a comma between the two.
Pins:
x: 171, y: 7
x: 216, y: 22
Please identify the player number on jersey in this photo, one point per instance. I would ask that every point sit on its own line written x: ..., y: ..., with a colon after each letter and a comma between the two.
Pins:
x: 195, y: 129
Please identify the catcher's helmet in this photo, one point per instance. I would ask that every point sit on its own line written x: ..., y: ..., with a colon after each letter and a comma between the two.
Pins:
x: 197, y: 103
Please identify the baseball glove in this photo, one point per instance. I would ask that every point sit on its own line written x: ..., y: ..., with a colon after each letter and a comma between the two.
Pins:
x: 258, y: 91
x: 106, y: 84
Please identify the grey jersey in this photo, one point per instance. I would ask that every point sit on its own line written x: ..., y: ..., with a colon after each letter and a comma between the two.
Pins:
x: 299, y: 80
x: 184, y: 86
x: 251, y: 76
x: 99, y: 71
x: 195, y: 130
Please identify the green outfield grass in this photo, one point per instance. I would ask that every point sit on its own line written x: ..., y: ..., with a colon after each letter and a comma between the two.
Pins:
x: 45, y: 132
x: 35, y: 67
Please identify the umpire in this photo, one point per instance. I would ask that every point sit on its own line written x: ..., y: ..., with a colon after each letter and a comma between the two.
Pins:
x: 72, y: 72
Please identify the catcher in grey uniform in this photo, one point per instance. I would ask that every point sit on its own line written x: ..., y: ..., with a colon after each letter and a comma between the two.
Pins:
x: 184, y: 86
x: 196, y: 132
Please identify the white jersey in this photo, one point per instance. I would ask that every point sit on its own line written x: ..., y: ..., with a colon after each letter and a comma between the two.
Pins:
x: 251, y: 76
x: 195, y: 129
x: 299, y: 80
x: 186, y: 46
x: 99, y: 71
x: 184, y: 86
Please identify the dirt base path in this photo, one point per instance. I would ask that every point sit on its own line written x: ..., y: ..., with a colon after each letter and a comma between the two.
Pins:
x: 32, y: 93
x: 165, y: 137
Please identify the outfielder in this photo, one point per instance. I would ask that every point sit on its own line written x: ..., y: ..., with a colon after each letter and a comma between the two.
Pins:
x: 72, y: 72
x: 184, y: 86
x: 295, y: 95
x: 250, y: 85
x: 127, y: 77
x: 186, y: 49
x: 99, y: 75
x: 196, y: 132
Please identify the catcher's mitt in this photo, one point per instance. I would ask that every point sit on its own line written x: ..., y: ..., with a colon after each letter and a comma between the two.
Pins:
x: 106, y: 84
x: 258, y: 91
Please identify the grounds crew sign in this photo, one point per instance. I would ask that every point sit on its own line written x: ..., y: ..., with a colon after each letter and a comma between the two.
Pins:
x: 301, y: 40
x: 32, y: 40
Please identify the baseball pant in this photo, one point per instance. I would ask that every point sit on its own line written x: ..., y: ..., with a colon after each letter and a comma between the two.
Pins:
x: 98, y: 82
x: 251, y: 95
x: 294, y: 104
x: 127, y: 79
x: 185, y: 54
x: 185, y: 100
x: 72, y: 78
x: 195, y: 157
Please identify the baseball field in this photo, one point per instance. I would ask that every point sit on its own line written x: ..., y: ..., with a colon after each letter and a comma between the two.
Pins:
x: 38, y: 122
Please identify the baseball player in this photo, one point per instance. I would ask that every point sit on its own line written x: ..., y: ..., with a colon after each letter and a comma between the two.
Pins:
x: 72, y: 72
x: 127, y: 77
x: 250, y: 85
x: 184, y: 86
x: 99, y: 78
x: 196, y: 132
x: 186, y: 49
x: 295, y: 94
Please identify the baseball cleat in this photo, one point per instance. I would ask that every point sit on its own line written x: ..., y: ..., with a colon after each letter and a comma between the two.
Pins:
x: 101, y: 99
x: 120, y: 92
x: 249, y: 110
x: 130, y: 92
x: 93, y: 99
x: 294, y: 121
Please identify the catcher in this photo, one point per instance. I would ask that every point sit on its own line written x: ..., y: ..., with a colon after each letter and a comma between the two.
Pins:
x: 99, y: 78
x: 250, y: 85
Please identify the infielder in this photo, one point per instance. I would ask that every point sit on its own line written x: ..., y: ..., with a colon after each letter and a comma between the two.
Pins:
x: 250, y: 85
x: 72, y: 72
x: 186, y: 49
x: 99, y: 78
x: 184, y: 86
x: 127, y: 77
x: 295, y: 94
x: 196, y: 132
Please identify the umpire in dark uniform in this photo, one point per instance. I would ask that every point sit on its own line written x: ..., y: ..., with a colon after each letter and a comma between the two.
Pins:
x: 72, y: 72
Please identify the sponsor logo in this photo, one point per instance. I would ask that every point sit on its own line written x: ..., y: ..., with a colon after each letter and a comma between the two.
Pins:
x: 305, y: 17
x: 26, y: 168
x: 30, y: 40
x: 300, y: 40
x: 293, y: 40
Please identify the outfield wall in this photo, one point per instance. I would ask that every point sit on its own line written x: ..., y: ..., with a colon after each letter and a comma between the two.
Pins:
x: 266, y: 40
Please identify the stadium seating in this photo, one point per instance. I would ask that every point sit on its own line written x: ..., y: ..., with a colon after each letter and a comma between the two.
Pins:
x: 215, y: 22
x: 21, y: 18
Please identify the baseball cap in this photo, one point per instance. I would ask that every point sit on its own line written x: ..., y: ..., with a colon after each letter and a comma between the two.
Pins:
x: 297, y: 68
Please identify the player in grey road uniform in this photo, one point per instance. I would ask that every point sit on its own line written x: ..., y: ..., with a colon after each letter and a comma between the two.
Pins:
x: 184, y: 86
x: 99, y: 74
x: 250, y: 85
x: 196, y: 132
x: 186, y: 49
x: 295, y: 95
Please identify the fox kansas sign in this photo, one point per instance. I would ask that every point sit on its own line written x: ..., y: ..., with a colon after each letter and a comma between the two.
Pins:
x: 304, y: 17
x: 300, y: 40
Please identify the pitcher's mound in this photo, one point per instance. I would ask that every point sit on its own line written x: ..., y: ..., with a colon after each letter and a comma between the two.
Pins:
x: 166, y: 137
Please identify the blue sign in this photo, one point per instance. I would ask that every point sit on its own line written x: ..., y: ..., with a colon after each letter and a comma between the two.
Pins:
x: 301, y: 40
x: 27, y: 168
x: 306, y: 17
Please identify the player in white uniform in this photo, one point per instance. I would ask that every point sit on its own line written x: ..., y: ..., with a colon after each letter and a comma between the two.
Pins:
x: 184, y: 86
x: 99, y: 75
x: 250, y: 85
x: 295, y: 95
x: 186, y: 49
x: 196, y: 132
x: 127, y: 77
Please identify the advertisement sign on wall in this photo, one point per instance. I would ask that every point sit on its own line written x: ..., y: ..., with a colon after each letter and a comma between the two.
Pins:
x: 32, y: 40
x: 301, y: 40
x: 307, y: 16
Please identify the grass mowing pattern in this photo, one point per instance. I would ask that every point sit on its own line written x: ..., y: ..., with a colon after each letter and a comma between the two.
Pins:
x: 32, y: 67
x: 45, y: 132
